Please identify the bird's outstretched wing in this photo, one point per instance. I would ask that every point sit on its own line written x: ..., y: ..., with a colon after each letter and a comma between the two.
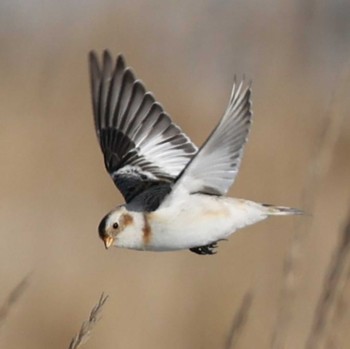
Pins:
x: 214, y: 168
x: 142, y: 147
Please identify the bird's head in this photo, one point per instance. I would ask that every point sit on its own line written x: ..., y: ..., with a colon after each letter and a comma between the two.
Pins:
x: 119, y: 228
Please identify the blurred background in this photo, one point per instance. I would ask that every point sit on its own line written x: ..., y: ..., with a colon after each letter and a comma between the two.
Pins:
x: 54, y: 189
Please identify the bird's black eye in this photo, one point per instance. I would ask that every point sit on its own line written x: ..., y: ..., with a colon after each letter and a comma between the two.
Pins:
x: 115, y: 225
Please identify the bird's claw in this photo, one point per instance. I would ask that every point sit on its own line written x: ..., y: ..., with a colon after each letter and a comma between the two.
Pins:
x: 205, y: 250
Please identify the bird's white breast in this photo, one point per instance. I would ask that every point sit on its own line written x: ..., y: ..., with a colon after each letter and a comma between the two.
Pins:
x: 198, y: 220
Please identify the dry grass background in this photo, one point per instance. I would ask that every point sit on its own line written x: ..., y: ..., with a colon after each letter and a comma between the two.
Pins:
x: 54, y: 189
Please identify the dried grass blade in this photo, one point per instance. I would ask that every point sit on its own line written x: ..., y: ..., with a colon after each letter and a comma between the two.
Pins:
x: 85, y: 330
x: 239, y: 321
x: 12, y: 298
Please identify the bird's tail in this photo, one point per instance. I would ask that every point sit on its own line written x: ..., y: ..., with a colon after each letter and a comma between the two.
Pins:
x: 282, y: 210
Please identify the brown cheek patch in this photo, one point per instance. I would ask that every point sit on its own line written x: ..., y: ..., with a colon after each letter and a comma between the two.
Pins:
x: 147, y: 232
x: 126, y: 220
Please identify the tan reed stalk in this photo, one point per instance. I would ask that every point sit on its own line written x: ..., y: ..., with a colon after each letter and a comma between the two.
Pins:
x: 12, y: 299
x: 239, y: 321
x: 318, y: 168
x: 334, y: 282
x: 85, y: 330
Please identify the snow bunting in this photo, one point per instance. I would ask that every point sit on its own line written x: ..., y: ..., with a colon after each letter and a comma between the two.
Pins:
x: 174, y: 192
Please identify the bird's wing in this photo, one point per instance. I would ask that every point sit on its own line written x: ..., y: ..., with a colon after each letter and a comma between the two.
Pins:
x: 142, y: 147
x: 214, y: 168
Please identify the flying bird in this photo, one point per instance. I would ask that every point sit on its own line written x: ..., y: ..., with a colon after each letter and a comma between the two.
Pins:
x: 174, y: 192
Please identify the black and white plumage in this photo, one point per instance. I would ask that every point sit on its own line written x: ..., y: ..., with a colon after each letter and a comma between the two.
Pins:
x: 174, y: 192
x: 143, y: 149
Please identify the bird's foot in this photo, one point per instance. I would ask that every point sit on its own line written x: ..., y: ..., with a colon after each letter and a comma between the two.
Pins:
x: 205, y: 250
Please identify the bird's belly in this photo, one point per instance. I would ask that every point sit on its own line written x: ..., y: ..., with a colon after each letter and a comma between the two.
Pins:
x: 197, y: 223
x: 188, y: 231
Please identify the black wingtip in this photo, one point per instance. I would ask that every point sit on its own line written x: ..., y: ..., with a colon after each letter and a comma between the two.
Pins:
x: 121, y: 60
x: 107, y: 59
x: 106, y: 54
x: 92, y: 55
x: 93, y: 61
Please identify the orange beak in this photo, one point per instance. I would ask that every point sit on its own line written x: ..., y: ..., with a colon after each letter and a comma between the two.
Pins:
x: 108, y: 241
